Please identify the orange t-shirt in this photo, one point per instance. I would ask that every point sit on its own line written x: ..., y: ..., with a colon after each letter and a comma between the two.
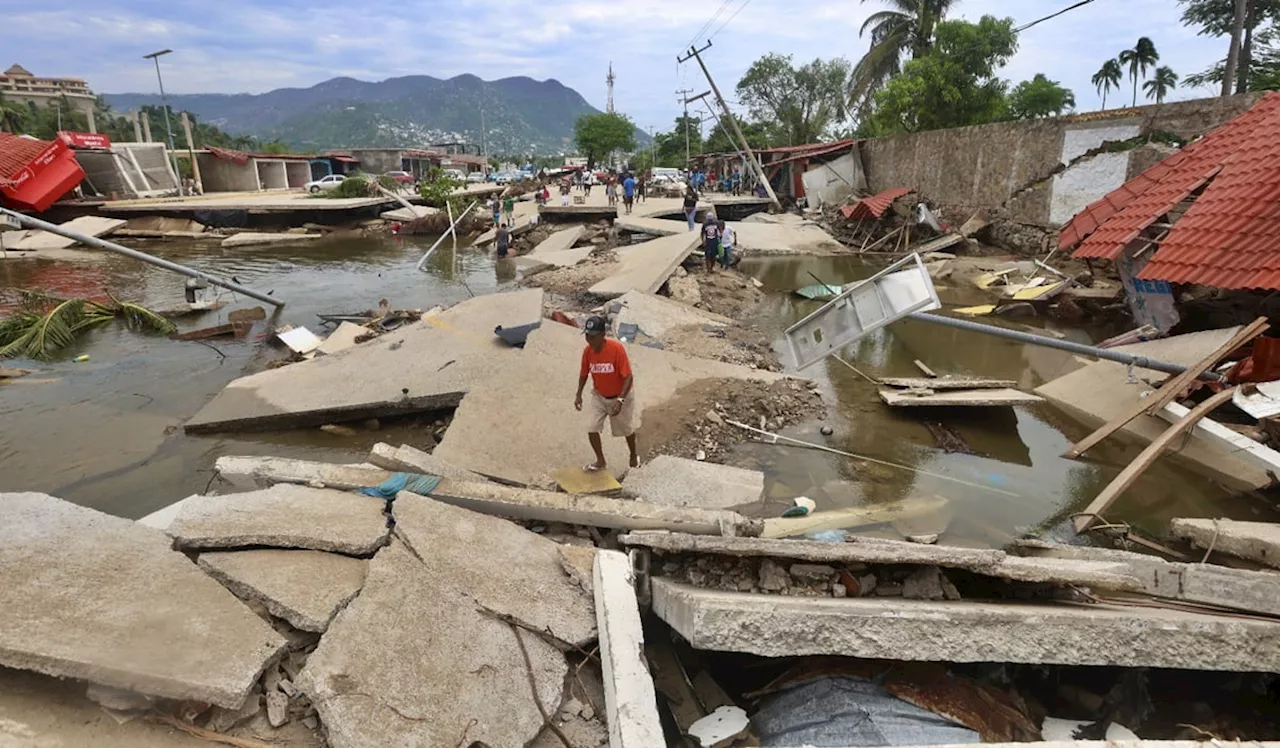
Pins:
x: 608, y: 368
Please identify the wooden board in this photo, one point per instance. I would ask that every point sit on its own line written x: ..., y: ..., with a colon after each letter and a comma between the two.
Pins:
x: 981, y: 398
x: 574, y: 479
x: 948, y: 383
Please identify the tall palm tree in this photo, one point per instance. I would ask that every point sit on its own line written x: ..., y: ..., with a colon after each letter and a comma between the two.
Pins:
x: 1141, y: 57
x: 1164, y: 81
x: 907, y: 27
x: 1107, y: 78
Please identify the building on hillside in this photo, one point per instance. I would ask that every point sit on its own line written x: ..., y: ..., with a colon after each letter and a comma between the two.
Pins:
x: 1209, y: 214
x: 18, y: 84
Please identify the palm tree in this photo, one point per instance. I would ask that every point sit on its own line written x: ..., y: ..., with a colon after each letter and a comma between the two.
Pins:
x: 1141, y: 57
x: 1164, y: 81
x: 13, y: 116
x: 1107, y: 78
x: 907, y: 27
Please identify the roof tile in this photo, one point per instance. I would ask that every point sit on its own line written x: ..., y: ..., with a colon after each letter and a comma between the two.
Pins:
x: 876, y: 205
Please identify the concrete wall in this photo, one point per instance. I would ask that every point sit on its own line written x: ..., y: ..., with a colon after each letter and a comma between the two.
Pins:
x: 272, y: 175
x: 297, y: 172
x: 1019, y: 165
x: 220, y: 175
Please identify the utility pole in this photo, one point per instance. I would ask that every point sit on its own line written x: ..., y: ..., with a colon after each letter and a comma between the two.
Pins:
x: 191, y: 153
x: 695, y: 53
x: 687, y: 102
x: 1233, y: 55
x: 609, y: 80
x: 155, y: 57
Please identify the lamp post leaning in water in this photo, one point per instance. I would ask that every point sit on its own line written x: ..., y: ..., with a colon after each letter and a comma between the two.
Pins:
x: 168, y: 126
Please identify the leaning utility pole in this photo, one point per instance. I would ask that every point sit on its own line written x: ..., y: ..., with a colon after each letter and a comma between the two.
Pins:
x: 754, y: 162
x: 687, y: 102
x: 1233, y: 55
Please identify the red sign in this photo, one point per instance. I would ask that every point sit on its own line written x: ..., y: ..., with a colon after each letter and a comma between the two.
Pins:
x: 51, y: 174
x: 84, y: 139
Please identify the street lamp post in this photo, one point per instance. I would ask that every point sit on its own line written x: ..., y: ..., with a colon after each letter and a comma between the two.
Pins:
x: 168, y: 126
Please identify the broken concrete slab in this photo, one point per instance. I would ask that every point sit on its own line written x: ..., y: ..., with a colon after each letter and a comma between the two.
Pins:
x: 962, y: 631
x: 253, y: 473
x: 520, y: 574
x: 590, y: 510
x: 1098, y: 392
x: 165, y: 224
x: 94, y: 226
x: 1255, y: 541
x: 782, y: 239
x: 407, y: 459
x: 428, y: 365
x: 651, y: 226
x: 645, y: 267
x: 257, y: 239
x: 951, y: 398
x: 628, y: 687
x: 656, y: 315
x: 675, y: 481
x: 490, y: 437
x: 1206, y: 584
x: 409, y: 214
x: 109, y: 601
x: 341, y: 339
x: 283, y: 516
x: 947, y: 383
x: 305, y: 588
x: 556, y: 250
x: 412, y: 662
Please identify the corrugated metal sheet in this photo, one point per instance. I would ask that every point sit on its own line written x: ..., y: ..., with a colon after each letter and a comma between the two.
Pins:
x: 16, y: 151
x: 876, y: 205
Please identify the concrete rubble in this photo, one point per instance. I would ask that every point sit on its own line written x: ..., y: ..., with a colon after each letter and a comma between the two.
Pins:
x: 341, y: 339
x: 754, y: 236
x: 407, y: 459
x: 675, y: 481
x: 428, y: 365
x: 283, y: 516
x: 645, y: 267
x: 305, y: 588
x: 251, y: 473
x: 257, y: 239
x: 556, y: 251
x: 109, y: 601
x: 95, y: 226
x: 1255, y: 541
x: 656, y: 315
x: 409, y: 214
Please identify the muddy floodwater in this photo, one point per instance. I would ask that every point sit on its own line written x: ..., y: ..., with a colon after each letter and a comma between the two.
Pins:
x: 107, y: 433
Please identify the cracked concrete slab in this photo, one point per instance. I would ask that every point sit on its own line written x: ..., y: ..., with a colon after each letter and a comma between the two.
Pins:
x: 645, y: 267
x: 1255, y: 541
x: 305, y: 588
x: 520, y: 574
x: 655, y: 315
x: 411, y: 662
x: 252, y: 473
x: 556, y: 250
x: 427, y: 365
x: 407, y: 459
x: 283, y: 516
x: 676, y: 481
x: 108, y: 600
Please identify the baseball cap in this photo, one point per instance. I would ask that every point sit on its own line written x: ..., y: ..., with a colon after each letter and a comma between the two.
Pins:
x: 595, y: 325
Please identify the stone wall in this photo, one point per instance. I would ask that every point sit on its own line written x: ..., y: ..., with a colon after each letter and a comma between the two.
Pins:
x: 1041, y: 171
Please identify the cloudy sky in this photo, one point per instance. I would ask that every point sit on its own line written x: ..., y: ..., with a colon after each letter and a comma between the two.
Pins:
x: 252, y: 46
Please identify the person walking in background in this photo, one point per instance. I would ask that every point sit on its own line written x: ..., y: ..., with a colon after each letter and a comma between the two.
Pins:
x: 587, y: 180
x: 691, y: 207
x: 605, y: 362
x: 610, y: 191
x: 643, y: 187
x: 727, y: 238
x: 509, y: 208
x: 710, y: 241
x: 628, y: 192
x: 496, y: 207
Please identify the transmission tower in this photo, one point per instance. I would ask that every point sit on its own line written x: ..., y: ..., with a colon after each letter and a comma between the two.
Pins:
x: 610, y: 80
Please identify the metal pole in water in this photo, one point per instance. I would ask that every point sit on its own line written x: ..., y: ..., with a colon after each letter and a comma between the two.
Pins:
x: 1062, y: 345
x: 452, y: 228
x: 92, y: 241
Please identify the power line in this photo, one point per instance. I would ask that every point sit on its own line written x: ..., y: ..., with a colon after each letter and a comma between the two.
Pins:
x: 1067, y: 9
x: 726, y: 23
x: 710, y: 21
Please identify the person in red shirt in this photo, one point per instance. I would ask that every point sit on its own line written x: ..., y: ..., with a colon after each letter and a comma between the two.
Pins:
x: 605, y: 361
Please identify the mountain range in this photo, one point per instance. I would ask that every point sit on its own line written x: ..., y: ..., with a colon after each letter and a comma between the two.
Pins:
x: 521, y: 115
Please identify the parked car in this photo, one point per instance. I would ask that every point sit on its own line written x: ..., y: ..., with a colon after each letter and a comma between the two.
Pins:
x: 475, y: 177
x: 324, y: 183
x: 403, y: 177
x: 457, y: 174
x: 502, y: 177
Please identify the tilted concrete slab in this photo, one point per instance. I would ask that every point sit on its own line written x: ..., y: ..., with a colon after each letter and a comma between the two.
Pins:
x: 646, y: 266
x: 1255, y: 541
x: 305, y: 588
x: 90, y: 225
x: 342, y: 338
x: 407, y: 459
x: 519, y: 574
x: 521, y: 425
x: 984, y: 398
x: 651, y: 226
x: 283, y: 516
x: 1100, y: 391
x: 783, y: 239
x: 428, y: 365
x: 628, y: 687
x: 556, y: 250
x: 675, y: 481
x: 253, y: 473
x: 257, y: 239
x: 1206, y: 584
x: 406, y: 214
x: 108, y: 600
x: 962, y: 631
x: 656, y: 315
x: 412, y: 662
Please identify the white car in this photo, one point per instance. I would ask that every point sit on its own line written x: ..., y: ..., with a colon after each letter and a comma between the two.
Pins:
x: 324, y: 183
x: 475, y: 177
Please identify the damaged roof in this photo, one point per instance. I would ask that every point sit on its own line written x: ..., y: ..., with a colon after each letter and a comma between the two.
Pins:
x: 1229, y: 237
x: 876, y: 205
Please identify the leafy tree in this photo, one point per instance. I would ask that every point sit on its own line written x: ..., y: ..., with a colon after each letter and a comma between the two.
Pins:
x: 598, y: 135
x: 13, y: 116
x: 906, y: 28
x: 1263, y: 71
x: 437, y: 187
x: 1107, y: 78
x: 1040, y: 97
x: 721, y: 139
x: 801, y: 103
x: 1164, y: 81
x: 1142, y: 56
x: 952, y: 86
x: 1216, y: 18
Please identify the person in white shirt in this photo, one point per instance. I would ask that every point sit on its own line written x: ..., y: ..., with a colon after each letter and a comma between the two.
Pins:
x: 727, y: 239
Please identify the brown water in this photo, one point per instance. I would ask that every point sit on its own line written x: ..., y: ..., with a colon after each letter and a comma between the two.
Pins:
x: 107, y: 433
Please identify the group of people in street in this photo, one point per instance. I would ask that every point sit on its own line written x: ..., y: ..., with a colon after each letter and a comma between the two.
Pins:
x: 718, y: 238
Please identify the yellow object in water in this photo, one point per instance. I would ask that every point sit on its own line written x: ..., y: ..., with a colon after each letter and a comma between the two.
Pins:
x: 1031, y: 294
x: 976, y: 311
x: 83, y: 357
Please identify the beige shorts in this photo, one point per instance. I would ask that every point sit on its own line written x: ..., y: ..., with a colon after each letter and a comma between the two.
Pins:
x: 625, y: 423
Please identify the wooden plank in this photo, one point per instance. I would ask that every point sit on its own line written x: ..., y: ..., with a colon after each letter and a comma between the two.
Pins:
x: 1134, y: 469
x: 920, y: 398
x: 1171, y: 389
x: 925, y: 369
x: 948, y: 383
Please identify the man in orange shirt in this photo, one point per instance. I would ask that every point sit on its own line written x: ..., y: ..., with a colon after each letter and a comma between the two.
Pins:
x: 606, y: 362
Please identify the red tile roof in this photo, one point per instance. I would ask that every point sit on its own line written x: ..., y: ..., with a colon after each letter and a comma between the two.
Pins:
x: 242, y: 157
x: 1230, y: 237
x: 16, y: 151
x: 876, y: 205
